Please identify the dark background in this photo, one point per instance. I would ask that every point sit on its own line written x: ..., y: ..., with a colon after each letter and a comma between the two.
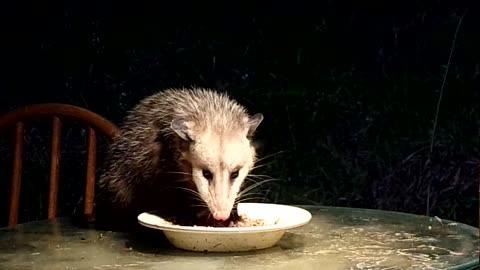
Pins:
x: 349, y: 95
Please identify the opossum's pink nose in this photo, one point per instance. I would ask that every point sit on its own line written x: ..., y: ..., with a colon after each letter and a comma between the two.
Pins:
x: 221, y: 215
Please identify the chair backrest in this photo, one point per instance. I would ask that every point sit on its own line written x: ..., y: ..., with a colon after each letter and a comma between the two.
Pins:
x: 56, y: 112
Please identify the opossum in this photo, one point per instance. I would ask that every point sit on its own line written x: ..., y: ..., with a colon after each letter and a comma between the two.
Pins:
x: 183, y: 153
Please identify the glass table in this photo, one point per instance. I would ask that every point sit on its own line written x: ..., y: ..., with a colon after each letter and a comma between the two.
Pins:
x: 336, y: 238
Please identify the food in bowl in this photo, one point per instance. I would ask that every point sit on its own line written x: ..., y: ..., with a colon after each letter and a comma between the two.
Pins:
x: 242, y: 221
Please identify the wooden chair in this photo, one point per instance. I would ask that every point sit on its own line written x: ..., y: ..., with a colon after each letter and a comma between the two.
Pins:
x: 57, y: 113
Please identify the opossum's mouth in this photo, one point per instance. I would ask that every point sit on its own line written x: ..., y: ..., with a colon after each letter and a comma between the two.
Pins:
x: 231, y: 215
x: 232, y: 218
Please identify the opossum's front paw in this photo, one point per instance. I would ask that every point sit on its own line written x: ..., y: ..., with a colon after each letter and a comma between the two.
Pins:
x: 210, y: 221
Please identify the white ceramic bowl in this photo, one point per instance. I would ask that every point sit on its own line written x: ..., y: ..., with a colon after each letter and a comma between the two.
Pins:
x: 277, y: 219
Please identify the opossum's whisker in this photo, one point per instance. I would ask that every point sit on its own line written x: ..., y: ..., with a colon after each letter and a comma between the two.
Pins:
x: 260, y: 180
x: 199, y: 200
x: 209, y: 215
x: 258, y: 175
x: 250, y: 199
x: 239, y: 198
x: 249, y: 182
x: 256, y: 179
x: 189, y: 190
x: 183, y: 173
x: 199, y: 205
x: 249, y: 188
x: 261, y: 165
x: 271, y: 155
x: 248, y: 194
x: 183, y: 180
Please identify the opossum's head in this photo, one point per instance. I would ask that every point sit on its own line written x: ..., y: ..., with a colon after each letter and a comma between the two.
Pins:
x: 220, y: 159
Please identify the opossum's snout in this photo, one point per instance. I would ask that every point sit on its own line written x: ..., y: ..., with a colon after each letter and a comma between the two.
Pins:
x: 223, y: 196
x: 218, y: 191
x: 221, y: 207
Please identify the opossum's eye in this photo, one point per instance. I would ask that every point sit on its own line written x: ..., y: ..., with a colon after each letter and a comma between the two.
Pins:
x: 208, y: 175
x: 234, y: 175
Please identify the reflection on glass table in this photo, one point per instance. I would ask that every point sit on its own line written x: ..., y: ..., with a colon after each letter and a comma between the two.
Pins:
x: 336, y: 238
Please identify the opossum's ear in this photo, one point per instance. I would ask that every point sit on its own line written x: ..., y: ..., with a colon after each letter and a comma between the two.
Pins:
x: 181, y: 128
x: 253, y: 123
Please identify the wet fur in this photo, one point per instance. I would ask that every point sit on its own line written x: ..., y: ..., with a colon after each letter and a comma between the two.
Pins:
x: 149, y: 166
